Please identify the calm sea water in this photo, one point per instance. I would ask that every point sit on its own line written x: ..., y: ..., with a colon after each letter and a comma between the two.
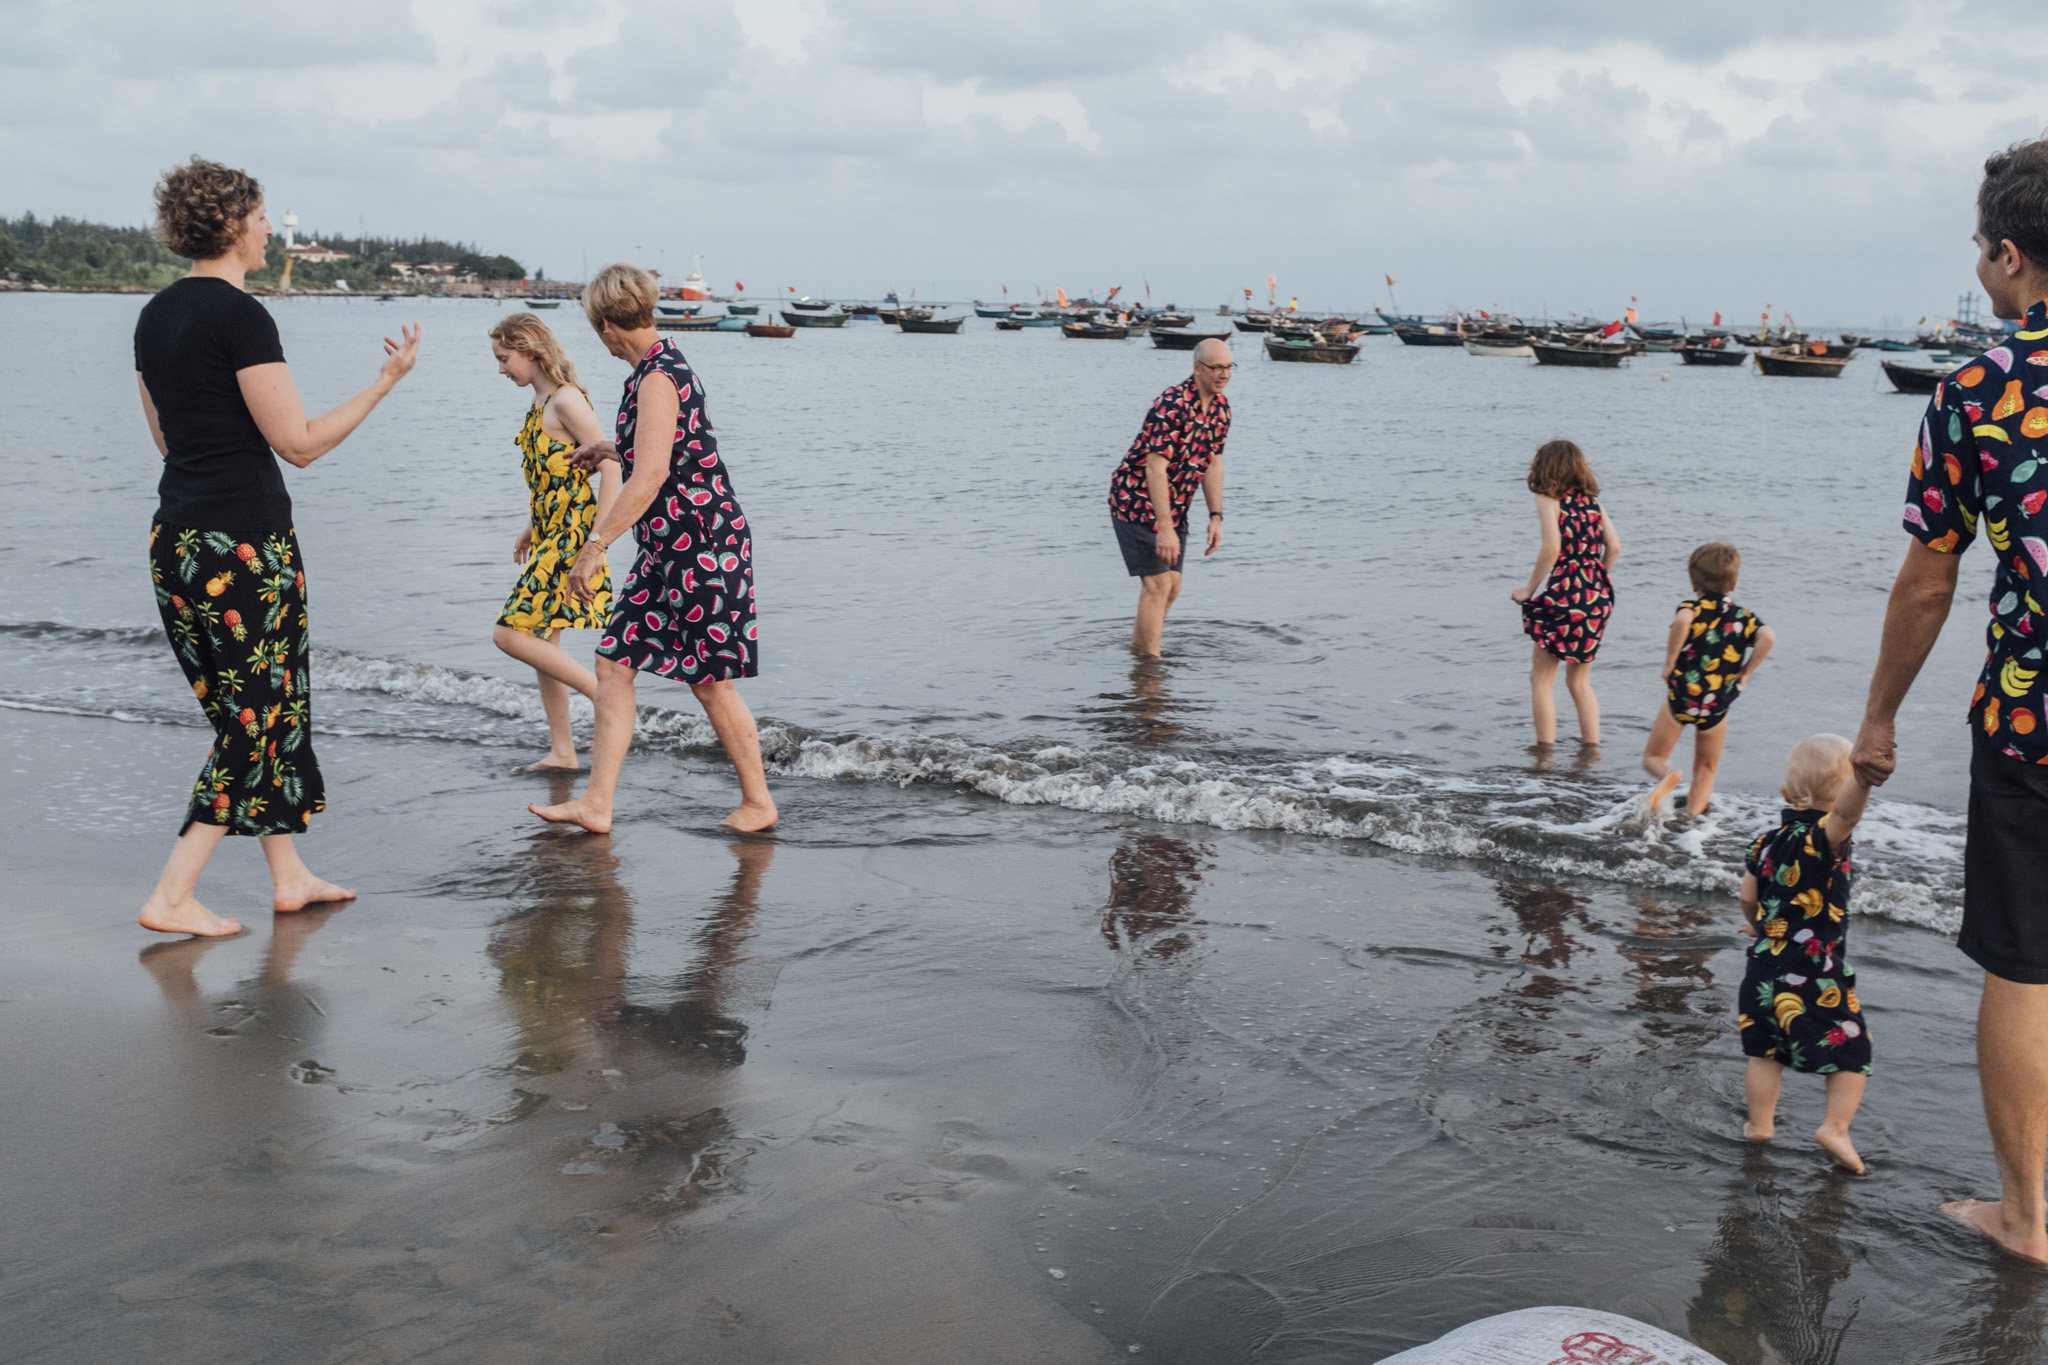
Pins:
x: 1274, y: 995
x: 941, y: 599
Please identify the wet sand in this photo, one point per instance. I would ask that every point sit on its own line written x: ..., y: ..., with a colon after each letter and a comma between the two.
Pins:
x: 855, y: 1093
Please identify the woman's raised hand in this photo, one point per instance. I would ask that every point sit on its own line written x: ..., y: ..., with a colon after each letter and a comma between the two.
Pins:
x: 589, y: 457
x: 522, y: 545
x: 400, y: 356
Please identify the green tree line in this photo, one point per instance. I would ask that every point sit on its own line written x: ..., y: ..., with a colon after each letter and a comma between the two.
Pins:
x: 75, y: 254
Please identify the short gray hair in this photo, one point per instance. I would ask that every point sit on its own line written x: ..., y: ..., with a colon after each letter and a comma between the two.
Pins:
x: 1207, y: 349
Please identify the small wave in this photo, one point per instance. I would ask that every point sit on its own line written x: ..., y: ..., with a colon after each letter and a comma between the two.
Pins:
x: 1910, y: 856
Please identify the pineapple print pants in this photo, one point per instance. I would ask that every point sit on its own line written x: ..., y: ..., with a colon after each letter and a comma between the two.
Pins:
x: 234, y: 607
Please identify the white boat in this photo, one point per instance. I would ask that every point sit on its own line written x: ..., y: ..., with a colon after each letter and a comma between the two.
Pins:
x: 1520, y: 350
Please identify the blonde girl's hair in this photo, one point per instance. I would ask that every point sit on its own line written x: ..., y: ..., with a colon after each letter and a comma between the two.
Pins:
x: 528, y: 335
x: 623, y: 295
x: 1817, y: 764
x: 1559, y: 468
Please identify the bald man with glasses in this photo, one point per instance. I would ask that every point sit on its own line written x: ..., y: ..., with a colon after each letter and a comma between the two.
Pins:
x: 1179, y: 449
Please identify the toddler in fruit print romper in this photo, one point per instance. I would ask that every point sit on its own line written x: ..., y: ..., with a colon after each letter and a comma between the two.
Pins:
x: 1798, y: 1005
x: 1713, y: 648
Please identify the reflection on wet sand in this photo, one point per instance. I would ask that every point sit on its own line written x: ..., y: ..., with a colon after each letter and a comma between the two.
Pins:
x: 1668, y: 949
x: 269, y: 1012
x: 1152, y: 883
x: 565, y: 975
x: 1769, y: 1277
x: 1544, y: 916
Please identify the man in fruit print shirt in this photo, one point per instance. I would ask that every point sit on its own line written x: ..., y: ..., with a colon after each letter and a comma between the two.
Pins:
x: 1980, y: 470
x: 1179, y: 449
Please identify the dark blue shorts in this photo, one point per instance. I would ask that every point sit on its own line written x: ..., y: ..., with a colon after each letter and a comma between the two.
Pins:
x: 2005, y: 866
x: 1141, y: 549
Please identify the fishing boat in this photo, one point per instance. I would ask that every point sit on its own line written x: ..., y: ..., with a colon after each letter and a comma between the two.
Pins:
x: 1093, y: 331
x: 1314, y: 351
x: 1814, y: 360
x: 1427, y: 334
x: 1040, y: 320
x: 1499, y: 350
x: 745, y: 310
x: 1010, y: 325
x: 1579, y: 355
x: 667, y: 311
x: 769, y: 329
x: 1252, y: 324
x: 808, y: 305
x: 1168, y: 319
x: 538, y: 303
x: 982, y: 310
x: 1174, y: 339
x: 1713, y: 352
x: 1852, y: 340
x: 1887, y: 344
x: 713, y: 324
x: 1912, y: 378
x: 815, y: 319
x: 929, y: 324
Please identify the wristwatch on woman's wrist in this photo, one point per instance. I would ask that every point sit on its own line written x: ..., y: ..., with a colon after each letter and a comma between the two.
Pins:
x: 1215, y: 516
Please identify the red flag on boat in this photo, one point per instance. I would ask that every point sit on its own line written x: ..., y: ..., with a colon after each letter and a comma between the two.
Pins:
x: 1610, y: 329
x: 1390, y: 281
x: 738, y: 288
x: 1247, y: 293
x: 1483, y: 313
x: 1631, y: 315
x: 1717, y: 319
x: 790, y: 287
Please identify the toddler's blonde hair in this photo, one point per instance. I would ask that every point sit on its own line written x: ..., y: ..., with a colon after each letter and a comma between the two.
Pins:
x: 528, y: 335
x: 1815, y: 770
x: 623, y: 295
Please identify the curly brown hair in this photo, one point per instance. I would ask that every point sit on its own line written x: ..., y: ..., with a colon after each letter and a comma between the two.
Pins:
x: 200, y: 208
x: 1560, y: 467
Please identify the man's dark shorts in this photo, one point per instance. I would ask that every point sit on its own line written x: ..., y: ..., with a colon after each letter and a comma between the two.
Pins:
x: 2005, y: 866
x: 1141, y: 549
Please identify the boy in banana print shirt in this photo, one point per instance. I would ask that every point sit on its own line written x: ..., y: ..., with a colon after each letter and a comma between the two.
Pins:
x: 1714, y: 647
x: 1798, y: 1004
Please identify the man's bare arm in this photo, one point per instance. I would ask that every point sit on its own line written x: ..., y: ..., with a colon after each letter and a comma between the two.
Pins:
x: 1920, y: 601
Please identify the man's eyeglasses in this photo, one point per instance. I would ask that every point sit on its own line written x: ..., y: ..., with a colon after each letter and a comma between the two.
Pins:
x: 1225, y: 369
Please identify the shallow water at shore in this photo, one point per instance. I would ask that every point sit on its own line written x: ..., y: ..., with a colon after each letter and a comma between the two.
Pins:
x: 1273, y: 994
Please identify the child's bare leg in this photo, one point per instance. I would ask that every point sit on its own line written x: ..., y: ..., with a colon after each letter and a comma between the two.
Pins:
x: 544, y: 656
x: 1845, y: 1092
x: 1664, y: 733
x: 1543, y: 694
x: 1578, y: 680
x: 173, y: 908
x: 1760, y: 1088
x: 1706, y: 762
x: 554, y: 701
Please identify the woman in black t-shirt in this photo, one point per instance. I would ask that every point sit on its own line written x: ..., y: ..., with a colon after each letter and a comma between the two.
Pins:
x: 230, y: 584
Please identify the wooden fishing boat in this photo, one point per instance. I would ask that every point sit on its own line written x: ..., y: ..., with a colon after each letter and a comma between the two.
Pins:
x: 810, y: 305
x: 1093, y: 331
x: 1852, y: 340
x: 1912, y: 378
x: 539, y: 303
x: 1174, y: 339
x: 1428, y: 334
x: 815, y: 319
x: 687, y: 324
x: 982, y: 310
x: 1580, y: 356
x: 1042, y: 320
x: 929, y: 324
x: 1010, y: 325
x: 745, y: 310
x: 1313, y: 352
x: 1168, y: 319
x: 1814, y: 360
x: 769, y: 329
x: 1707, y: 353
x: 667, y: 311
x: 1499, y: 350
x: 1886, y: 344
x: 1252, y: 324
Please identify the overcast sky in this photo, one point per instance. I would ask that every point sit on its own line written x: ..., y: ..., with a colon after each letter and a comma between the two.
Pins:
x: 1547, y: 154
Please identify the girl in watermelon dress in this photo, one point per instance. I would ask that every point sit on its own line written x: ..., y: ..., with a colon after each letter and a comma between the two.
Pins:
x: 1569, y: 595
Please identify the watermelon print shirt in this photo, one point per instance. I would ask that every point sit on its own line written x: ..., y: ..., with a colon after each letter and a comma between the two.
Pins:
x: 1188, y: 438
x: 1981, y: 463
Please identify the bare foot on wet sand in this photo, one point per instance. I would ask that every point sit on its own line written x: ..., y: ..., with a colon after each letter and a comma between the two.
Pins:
x: 553, y: 763
x: 1752, y: 1131
x: 1837, y: 1145
x: 188, y: 916
x: 1988, y: 1218
x: 752, y: 817
x: 576, y: 812
x: 301, y: 892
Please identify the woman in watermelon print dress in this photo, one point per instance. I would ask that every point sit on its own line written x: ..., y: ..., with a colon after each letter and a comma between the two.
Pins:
x: 1570, y: 593
x: 686, y: 612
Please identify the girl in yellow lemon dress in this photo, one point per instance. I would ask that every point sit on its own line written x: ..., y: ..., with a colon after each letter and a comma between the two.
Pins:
x: 564, y: 507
